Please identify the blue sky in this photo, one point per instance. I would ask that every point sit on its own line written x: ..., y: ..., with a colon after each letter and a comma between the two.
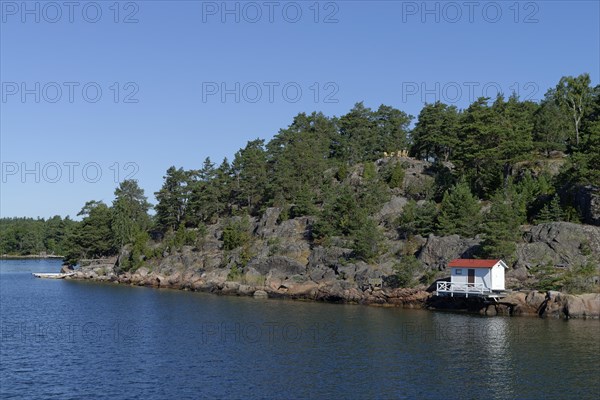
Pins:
x: 162, y: 77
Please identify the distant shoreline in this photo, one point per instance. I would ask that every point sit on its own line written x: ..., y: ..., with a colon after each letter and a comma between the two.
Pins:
x: 29, y: 257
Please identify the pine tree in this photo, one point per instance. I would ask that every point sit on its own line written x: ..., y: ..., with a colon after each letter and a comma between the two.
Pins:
x: 556, y: 211
x: 303, y: 204
x: 130, y: 212
x: 544, y: 215
x: 551, y: 126
x: 391, y: 126
x: 204, y: 201
x: 417, y: 219
x: 492, y: 139
x: 299, y: 155
x: 516, y: 120
x: 224, y: 183
x: 436, y: 132
x: 584, y: 164
x: 357, y: 136
x: 93, y: 237
x: 479, y: 135
x: 459, y: 213
x: 367, y: 240
x: 173, y: 197
x: 250, y: 171
x: 341, y: 214
x: 364, y: 134
x: 371, y: 194
x: 501, y: 227
x: 395, y: 177
x: 551, y: 212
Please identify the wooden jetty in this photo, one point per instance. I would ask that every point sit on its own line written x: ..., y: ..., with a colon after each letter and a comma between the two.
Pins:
x: 48, y: 275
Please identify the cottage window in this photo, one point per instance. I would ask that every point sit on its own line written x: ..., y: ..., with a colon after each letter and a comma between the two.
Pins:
x: 458, y: 271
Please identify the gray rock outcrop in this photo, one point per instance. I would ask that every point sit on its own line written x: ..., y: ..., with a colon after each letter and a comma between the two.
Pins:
x: 587, y: 202
x: 554, y: 304
x: 439, y: 250
x: 559, y: 244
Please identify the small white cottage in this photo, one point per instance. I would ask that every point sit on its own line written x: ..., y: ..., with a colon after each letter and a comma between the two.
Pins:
x: 474, y: 277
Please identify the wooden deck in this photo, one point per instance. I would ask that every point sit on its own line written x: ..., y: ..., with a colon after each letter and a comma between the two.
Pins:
x: 467, y: 290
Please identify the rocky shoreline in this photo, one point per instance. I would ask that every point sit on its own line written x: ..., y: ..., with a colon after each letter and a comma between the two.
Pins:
x: 519, y: 303
x: 309, y: 290
x: 281, y: 261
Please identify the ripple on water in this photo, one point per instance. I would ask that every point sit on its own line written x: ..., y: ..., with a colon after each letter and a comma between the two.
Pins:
x: 63, y: 339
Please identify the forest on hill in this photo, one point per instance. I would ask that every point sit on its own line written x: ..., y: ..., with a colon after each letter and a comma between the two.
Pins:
x: 487, y: 170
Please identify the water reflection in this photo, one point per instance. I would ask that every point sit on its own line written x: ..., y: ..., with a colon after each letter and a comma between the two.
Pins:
x: 495, y: 342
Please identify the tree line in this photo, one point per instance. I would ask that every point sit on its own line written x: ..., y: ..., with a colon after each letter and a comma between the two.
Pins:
x: 29, y: 236
x: 484, y: 156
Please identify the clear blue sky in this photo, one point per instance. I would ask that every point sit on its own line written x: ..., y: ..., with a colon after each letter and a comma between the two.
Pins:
x: 178, y: 53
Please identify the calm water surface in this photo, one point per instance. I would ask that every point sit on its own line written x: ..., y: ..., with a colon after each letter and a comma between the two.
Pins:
x: 77, y: 340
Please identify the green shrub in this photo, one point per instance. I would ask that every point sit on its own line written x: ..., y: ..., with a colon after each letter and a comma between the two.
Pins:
x: 547, y: 277
x: 405, y: 271
x: 284, y: 215
x: 368, y: 241
x: 581, y: 279
x: 140, y: 252
x: 369, y: 171
x: 274, y: 245
x: 422, y: 188
x: 236, y: 234
x: 342, y: 173
x: 417, y: 219
x: 234, y: 273
x: 428, y: 277
x: 395, y: 176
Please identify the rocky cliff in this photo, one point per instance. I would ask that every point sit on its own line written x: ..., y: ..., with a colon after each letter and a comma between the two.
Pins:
x: 587, y: 202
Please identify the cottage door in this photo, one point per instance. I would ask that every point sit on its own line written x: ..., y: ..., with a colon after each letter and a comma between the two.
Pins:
x: 471, y: 276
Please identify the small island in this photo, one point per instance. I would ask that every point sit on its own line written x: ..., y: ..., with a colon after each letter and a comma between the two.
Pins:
x: 364, y: 209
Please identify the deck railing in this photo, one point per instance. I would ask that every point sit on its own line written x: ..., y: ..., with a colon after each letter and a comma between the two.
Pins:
x: 462, y: 288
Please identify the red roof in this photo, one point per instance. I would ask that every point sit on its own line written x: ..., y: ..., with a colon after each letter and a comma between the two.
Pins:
x: 468, y: 263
